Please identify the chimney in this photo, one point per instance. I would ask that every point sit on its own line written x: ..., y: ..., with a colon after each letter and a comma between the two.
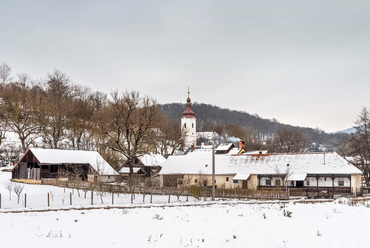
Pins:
x: 241, y: 144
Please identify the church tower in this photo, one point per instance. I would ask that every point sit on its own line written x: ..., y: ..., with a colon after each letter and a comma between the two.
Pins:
x: 188, y: 124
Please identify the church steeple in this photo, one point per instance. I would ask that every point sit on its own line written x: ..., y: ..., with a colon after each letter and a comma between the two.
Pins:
x: 188, y: 113
x: 189, y: 124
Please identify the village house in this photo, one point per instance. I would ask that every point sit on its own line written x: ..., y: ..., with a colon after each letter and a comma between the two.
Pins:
x: 38, y: 164
x: 145, y: 166
x: 261, y: 170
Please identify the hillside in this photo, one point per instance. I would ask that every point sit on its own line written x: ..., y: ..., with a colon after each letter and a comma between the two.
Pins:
x: 207, y: 114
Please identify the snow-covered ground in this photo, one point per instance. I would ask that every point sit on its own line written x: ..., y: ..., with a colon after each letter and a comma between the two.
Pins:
x: 223, y: 224
x: 59, y: 197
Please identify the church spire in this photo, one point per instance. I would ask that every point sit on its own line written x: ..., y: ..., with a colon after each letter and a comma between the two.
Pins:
x: 188, y: 113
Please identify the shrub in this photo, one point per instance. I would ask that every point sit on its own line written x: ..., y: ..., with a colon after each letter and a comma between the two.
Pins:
x: 195, y: 191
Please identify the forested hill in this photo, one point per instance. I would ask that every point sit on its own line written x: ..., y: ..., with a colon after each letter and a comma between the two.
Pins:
x: 208, y: 114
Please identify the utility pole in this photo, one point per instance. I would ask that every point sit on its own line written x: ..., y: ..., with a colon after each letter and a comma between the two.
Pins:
x: 213, y: 170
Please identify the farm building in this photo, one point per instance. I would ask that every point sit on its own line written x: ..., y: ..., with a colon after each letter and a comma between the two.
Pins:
x: 144, y: 166
x: 65, y: 165
x: 257, y: 171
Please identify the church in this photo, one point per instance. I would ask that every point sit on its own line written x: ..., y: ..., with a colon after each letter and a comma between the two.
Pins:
x: 189, y: 124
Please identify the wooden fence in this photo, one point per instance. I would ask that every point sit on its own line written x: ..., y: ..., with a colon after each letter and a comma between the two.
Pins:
x: 269, y: 193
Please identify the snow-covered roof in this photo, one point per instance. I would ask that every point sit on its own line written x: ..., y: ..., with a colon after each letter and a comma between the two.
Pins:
x: 267, y: 164
x: 56, y: 156
x: 296, y: 177
x: 152, y: 159
x: 126, y: 170
x: 224, y: 147
x: 256, y: 152
x: 242, y: 176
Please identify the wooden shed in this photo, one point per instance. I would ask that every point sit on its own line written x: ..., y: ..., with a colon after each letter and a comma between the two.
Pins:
x: 40, y: 164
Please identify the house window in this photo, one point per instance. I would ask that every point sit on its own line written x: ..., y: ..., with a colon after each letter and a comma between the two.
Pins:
x: 235, y: 181
x: 108, y: 177
x: 324, y: 178
x: 268, y: 182
x: 192, y: 125
x: 184, y: 125
x: 195, y: 180
x: 341, y: 183
x: 227, y: 179
x: 277, y: 182
x: 205, y: 183
x: 308, y: 182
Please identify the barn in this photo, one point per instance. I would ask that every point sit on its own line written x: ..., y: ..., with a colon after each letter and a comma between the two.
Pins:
x: 65, y: 165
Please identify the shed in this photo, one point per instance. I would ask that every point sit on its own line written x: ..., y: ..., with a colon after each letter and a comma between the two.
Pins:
x: 40, y: 164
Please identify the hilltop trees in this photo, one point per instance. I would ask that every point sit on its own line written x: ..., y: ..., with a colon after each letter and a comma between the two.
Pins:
x: 55, y: 113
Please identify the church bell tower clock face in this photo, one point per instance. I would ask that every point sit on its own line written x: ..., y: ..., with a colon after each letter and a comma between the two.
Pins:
x: 188, y: 124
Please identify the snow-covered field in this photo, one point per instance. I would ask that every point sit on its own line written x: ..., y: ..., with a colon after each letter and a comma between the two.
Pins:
x: 37, y: 197
x: 223, y: 224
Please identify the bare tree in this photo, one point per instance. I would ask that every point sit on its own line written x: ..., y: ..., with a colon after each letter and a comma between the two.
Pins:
x: 289, y: 140
x: 18, y: 188
x: 129, y: 124
x: 81, y: 128
x: 5, y: 72
x: 58, y: 92
x: 9, y: 186
x: 20, y: 111
x: 358, y: 147
x: 171, y: 137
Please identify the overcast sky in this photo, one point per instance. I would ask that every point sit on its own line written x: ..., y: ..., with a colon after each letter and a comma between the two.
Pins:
x: 305, y: 62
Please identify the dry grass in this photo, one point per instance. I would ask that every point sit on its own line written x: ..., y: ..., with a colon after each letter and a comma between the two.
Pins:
x: 28, y: 181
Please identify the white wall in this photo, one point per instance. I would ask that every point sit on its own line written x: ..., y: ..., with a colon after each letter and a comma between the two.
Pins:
x: 191, y: 127
x: 328, y: 182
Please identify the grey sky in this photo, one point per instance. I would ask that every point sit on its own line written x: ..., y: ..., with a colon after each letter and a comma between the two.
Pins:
x: 302, y: 62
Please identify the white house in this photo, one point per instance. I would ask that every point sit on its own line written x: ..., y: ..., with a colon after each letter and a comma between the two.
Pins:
x: 253, y: 171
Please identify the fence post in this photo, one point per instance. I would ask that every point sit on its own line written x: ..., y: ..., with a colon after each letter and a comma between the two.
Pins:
x: 48, y: 200
x: 112, y: 198
x: 25, y: 200
x: 169, y: 197
x: 92, y: 198
x: 70, y: 198
x: 151, y: 197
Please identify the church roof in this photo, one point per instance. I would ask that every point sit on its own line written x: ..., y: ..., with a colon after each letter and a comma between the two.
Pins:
x: 188, y: 113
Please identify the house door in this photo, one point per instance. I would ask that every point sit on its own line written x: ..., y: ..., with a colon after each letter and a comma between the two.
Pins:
x: 245, y: 184
x: 299, y: 184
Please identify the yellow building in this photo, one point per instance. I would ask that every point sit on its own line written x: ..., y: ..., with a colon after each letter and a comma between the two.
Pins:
x: 256, y: 171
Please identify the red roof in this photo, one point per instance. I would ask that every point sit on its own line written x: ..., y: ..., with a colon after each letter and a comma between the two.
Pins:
x: 188, y: 113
